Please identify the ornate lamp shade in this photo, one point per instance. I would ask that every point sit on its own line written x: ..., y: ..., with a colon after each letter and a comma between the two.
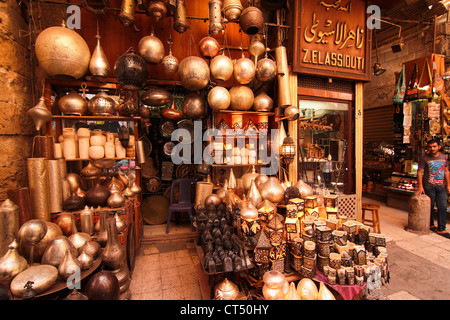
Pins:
x: 288, y: 151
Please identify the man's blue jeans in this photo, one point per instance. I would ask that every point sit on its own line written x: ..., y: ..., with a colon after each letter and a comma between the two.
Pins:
x: 438, y: 196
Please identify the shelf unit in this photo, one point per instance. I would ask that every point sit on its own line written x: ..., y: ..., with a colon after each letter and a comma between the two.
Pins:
x: 56, y: 89
x: 241, y: 118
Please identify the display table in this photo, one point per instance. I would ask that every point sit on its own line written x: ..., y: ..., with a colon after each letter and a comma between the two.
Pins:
x: 353, y: 292
x: 61, y: 285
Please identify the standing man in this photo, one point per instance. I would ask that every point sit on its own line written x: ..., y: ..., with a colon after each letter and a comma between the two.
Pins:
x: 433, y: 179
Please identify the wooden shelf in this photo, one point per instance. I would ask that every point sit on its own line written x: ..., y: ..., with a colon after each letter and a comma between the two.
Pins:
x: 238, y: 165
x: 116, y: 159
x: 93, y: 118
x: 262, y: 113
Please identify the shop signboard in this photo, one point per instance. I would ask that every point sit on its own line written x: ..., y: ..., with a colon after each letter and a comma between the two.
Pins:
x: 331, y: 38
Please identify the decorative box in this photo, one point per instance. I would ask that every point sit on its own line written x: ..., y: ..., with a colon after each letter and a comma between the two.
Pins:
x: 266, y: 213
x: 333, y: 223
x: 309, y: 249
x: 307, y: 272
x: 278, y: 265
x: 332, y: 271
x: 335, y: 260
x: 291, y: 225
x: 359, y: 271
x: 324, y: 248
x: 311, y: 202
x: 308, y: 221
x: 326, y: 269
x: 323, y: 233
x: 346, y: 260
x: 297, y: 262
x: 297, y: 246
x: 300, y: 203
x: 310, y: 262
x: 331, y: 280
x: 309, y: 230
x: 364, y: 233
x: 342, y: 281
x: 339, y: 237
x: 349, y: 227
x: 331, y: 213
x: 291, y: 211
x: 319, y: 223
x: 330, y: 201
x: 307, y: 237
x: 359, y: 255
x: 322, y: 262
x: 359, y: 281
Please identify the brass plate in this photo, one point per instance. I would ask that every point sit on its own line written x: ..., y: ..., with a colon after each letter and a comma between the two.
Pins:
x: 155, y: 209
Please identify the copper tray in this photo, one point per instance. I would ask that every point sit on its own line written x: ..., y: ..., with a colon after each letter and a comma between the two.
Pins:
x: 155, y: 209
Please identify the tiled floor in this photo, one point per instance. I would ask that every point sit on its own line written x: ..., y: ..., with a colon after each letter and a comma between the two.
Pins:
x: 167, y: 267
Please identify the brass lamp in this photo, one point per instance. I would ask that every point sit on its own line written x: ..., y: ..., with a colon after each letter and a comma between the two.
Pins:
x: 288, y: 151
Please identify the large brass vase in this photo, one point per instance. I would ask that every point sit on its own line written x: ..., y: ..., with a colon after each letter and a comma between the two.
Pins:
x: 9, y: 224
x: 114, y: 253
x: 62, y: 53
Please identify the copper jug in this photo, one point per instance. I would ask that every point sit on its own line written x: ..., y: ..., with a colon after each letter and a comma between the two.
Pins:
x: 114, y: 253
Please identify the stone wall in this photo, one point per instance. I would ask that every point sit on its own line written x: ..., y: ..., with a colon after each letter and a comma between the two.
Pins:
x: 16, y: 87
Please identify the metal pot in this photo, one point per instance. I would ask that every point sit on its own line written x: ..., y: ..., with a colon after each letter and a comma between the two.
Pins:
x: 221, y: 67
x: 157, y: 10
x: 219, y: 98
x: 244, y: 70
x: 155, y: 97
x: 62, y: 53
x: 251, y: 20
x: 194, y: 106
x: 55, y: 251
x: 12, y: 263
x: 266, y: 70
x: 73, y: 104
x: 97, y: 196
x: 208, y: 47
x: 151, y: 49
x: 256, y: 49
x: 232, y: 10
x: 102, y: 105
x: 226, y: 290
x: 262, y: 102
x: 103, y: 286
x: 172, y: 113
x: 242, y: 98
x: 131, y: 70
x: 272, y: 190
x: 194, y: 73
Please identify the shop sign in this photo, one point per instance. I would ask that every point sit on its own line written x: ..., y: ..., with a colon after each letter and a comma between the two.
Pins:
x: 331, y: 39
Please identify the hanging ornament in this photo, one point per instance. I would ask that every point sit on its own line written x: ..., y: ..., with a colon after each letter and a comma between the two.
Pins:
x: 40, y: 114
x: 215, y: 17
x: 99, y: 66
x: 170, y: 63
x: 180, y: 25
x: 157, y: 10
x: 127, y: 12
